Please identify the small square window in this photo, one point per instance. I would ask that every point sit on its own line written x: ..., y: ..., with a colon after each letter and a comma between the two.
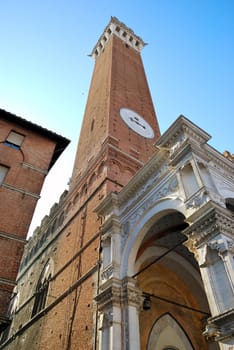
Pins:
x: 3, y: 172
x: 14, y: 140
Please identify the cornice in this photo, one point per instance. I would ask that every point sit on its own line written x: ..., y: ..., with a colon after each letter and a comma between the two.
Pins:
x: 182, y: 126
x: 220, y: 327
x: 110, y: 294
x: 207, y: 222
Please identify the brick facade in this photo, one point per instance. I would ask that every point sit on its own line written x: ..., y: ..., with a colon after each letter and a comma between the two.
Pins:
x: 27, y: 166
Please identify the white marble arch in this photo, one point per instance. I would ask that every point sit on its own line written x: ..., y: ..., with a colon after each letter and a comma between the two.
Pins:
x: 181, y: 266
x: 166, y: 333
x: 140, y: 229
x: 172, y: 260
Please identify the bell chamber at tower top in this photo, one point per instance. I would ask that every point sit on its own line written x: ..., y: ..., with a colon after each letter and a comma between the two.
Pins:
x: 115, y: 27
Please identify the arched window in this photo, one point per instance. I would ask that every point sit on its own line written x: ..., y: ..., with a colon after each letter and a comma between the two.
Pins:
x: 42, y: 289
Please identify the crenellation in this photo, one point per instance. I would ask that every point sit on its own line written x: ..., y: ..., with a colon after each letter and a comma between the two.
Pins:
x: 115, y: 27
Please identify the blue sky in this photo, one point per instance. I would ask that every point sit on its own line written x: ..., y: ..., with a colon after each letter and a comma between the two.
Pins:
x: 45, y: 70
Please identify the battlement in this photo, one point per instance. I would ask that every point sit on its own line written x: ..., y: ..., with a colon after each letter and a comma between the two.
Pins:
x: 126, y: 34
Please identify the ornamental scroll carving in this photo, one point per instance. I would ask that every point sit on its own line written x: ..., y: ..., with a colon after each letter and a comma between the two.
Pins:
x: 168, y: 190
x: 198, y: 200
x: 107, y: 273
x: 177, y: 144
x: 149, y: 183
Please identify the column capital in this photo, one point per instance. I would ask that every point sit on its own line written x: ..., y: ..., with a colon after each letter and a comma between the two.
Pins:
x: 131, y: 294
x: 209, y: 221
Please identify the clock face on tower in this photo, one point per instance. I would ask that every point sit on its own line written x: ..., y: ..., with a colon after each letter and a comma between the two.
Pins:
x: 137, y: 123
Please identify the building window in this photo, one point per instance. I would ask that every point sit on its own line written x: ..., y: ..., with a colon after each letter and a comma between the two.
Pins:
x: 3, y: 172
x: 14, y: 140
x: 42, y: 289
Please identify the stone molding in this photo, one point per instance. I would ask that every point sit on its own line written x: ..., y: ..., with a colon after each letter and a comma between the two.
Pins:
x: 220, y: 328
x: 131, y: 294
x: 117, y: 292
x: 206, y: 223
x: 170, y: 189
x: 110, y: 294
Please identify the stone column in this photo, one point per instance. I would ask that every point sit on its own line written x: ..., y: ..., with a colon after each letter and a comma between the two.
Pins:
x: 210, y: 238
x: 132, y: 301
x: 109, y: 308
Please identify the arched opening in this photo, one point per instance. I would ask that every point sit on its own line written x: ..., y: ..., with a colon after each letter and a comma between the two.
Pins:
x: 168, y: 273
x: 167, y: 334
x: 42, y: 288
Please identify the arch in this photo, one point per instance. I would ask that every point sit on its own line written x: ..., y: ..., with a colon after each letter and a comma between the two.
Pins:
x: 141, y: 227
x: 179, y: 263
x: 61, y: 219
x: 153, y: 231
x: 167, y: 333
x: 76, y: 198
x: 115, y: 166
x: 92, y: 179
x: 68, y: 208
x: 54, y: 225
x: 101, y: 168
x: 84, y: 189
x: 42, y: 287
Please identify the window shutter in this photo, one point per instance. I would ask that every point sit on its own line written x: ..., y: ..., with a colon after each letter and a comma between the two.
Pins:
x: 15, y: 138
x: 3, y: 172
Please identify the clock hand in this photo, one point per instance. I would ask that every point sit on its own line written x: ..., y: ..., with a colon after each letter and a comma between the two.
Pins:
x: 137, y: 122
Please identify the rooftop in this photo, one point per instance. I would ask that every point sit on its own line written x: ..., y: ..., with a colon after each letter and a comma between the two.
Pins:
x: 61, y: 142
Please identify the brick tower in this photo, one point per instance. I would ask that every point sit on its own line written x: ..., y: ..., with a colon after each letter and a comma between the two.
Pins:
x: 120, y: 125
x: 62, y: 261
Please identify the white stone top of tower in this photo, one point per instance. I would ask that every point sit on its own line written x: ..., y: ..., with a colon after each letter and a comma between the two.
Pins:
x: 115, y: 27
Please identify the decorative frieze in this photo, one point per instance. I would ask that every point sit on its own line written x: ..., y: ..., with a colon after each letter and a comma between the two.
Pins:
x: 207, y: 222
x: 109, y: 295
x: 169, y: 189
